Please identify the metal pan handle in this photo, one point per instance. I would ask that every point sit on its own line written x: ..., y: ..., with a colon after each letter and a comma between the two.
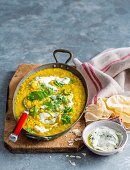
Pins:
x: 62, y: 51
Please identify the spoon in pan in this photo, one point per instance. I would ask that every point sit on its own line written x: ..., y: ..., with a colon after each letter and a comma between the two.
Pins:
x: 16, y: 132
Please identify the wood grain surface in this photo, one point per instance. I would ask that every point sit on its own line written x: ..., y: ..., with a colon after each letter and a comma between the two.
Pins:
x: 24, y: 144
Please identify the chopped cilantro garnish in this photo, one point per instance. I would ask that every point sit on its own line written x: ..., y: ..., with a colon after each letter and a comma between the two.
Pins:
x: 39, y: 95
x: 35, y: 95
x: 65, y: 116
x: 61, y: 99
x: 33, y: 111
x: 72, y: 81
x: 48, y: 105
x: 66, y: 119
x: 29, y: 130
x: 52, y: 105
x: 50, y: 91
x: 68, y: 109
x: 42, y: 86
x: 65, y: 92
x: 65, y: 100
x: 58, y: 84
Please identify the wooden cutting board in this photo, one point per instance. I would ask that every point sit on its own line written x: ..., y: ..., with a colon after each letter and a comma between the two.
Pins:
x: 24, y: 144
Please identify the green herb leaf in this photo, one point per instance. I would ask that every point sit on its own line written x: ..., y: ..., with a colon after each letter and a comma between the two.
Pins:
x: 42, y: 86
x: 54, y: 106
x: 66, y: 119
x: 36, y: 95
x: 58, y: 84
x: 50, y: 91
x: 68, y: 109
x: 72, y: 81
x: 65, y: 100
x: 39, y: 95
x: 29, y: 130
x: 59, y: 98
x: 65, y: 92
x: 62, y: 99
x: 33, y: 111
x: 49, y: 105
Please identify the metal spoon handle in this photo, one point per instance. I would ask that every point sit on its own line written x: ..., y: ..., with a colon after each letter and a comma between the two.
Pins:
x: 14, y: 135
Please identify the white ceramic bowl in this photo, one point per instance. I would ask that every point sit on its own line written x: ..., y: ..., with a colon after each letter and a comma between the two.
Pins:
x: 111, y: 125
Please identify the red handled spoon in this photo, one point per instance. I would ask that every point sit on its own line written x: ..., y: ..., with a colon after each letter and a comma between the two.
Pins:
x: 14, y: 135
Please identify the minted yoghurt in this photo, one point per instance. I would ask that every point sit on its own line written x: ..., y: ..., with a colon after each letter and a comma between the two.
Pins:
x: 104, y: 139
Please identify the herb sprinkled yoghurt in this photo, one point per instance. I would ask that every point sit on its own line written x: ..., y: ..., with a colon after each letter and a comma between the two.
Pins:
x: 104, y: 139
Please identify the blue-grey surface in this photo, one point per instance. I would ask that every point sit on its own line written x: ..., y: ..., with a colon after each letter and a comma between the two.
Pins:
x: 30, y: 30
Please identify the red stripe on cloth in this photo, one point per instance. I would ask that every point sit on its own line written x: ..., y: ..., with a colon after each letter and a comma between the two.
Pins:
x: 85, y: 68
x: 94, y: 75
x: 89, y: 102
x: 95, y: 99
x: 107, y: 68
x: 110, y: 64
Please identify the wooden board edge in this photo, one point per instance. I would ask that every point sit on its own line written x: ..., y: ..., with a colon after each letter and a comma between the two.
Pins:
x: 47, y: 150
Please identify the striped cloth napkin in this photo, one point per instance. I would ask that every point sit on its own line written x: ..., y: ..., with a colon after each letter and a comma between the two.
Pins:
x: 106, y: 74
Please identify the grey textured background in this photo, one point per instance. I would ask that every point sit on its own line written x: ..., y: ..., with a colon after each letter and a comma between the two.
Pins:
x: 30, y: 30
